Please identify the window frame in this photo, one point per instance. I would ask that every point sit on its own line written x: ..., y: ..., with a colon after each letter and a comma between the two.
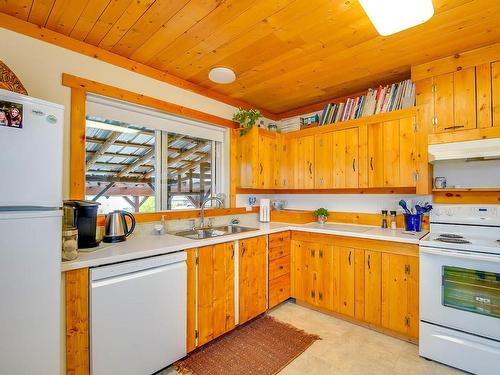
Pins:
x: 79, y: 89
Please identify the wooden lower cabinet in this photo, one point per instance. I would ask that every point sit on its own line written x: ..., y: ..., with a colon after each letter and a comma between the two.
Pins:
x: 374, y: 282
x: 373, y: 286
x: 252, y: 277
x: 279, y: 268
x: 400, y: 293
x: 215, y: 291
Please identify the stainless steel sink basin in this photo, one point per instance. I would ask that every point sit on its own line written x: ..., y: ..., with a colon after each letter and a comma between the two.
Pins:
x: 200, y: 234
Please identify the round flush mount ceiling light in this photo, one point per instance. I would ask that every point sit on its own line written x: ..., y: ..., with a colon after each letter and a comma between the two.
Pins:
x: 221, y: 75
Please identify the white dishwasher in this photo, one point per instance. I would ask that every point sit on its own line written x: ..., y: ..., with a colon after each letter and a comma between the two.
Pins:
x: 138, y: 315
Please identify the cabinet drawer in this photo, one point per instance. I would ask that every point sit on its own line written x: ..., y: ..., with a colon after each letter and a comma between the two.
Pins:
x: 279, y: 267
x: 278, y: 252
x: 279, y: 290
x: 279, y: 239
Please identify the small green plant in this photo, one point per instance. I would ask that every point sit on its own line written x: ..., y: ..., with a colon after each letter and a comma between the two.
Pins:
x: 321, y: 212
x: 246, y: 118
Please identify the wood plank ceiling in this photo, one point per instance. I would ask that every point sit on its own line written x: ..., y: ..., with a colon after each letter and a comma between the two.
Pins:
x: 286, y: 53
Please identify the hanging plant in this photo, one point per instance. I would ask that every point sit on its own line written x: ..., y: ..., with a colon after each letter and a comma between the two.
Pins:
x: 246, y: 118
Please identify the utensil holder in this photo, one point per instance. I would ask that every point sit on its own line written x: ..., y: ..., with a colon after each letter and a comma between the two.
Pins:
x: 413, y: 223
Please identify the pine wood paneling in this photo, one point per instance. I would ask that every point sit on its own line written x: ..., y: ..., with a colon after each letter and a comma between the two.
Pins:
x: 495, y: 88
x: 77, y: 322
x: 252, y: 277
x: 283, y: 61
x: 191, y: 299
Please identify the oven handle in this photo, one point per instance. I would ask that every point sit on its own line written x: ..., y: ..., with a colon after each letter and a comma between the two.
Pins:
x: 460, y: 255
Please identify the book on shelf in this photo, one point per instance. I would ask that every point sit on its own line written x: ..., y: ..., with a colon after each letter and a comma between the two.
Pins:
x: 379, y: 100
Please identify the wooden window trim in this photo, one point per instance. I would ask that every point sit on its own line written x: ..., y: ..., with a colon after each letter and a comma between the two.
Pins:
x: 79, y: 89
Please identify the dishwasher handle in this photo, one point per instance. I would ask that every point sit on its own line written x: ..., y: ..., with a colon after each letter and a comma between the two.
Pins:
x: 124, y: 268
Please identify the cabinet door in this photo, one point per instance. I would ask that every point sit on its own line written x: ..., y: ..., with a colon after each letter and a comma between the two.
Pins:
x: 323, y: 161
x: 322, y: 279
x: 495, y: 92
x: 345, y: 159
x: 464, y: 99
x: 390, y: 130
x: 375, y: 155
x: 455, y: 101
x: 407, y: 152
x: 267, y: 143
x: 249, y: 163
x: 303, y: 162
x: 215, y: 291
x: 346, y: 290
x: 394, y: 292
x: 286, y: 163
x: 373, y: 286
x: 443, y: 102
x: 252, y: 277
x: 300, y: 287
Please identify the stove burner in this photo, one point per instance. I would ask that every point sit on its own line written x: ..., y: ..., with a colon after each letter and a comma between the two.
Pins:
x: 449, y: 235
x: 452, y: 240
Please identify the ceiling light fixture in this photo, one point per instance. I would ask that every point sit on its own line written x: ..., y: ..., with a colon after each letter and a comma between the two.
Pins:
x: 111, y: 127
x: 221, y: 75
x: 392, y: 16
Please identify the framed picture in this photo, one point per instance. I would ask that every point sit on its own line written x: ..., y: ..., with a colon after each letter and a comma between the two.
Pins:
x: 11, y: 114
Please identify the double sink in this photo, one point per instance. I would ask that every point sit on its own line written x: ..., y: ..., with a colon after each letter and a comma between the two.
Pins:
x: 210, y: 232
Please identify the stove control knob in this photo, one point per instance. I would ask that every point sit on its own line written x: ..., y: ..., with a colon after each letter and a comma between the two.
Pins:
x: 449, y: 212
x: 437, y: 212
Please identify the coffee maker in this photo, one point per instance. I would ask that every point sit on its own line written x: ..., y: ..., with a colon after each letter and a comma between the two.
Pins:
x: 82, y: 215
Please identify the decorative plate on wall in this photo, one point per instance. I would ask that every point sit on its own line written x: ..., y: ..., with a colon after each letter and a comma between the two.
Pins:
x: 9, y: 81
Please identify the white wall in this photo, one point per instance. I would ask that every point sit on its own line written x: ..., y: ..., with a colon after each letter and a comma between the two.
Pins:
x: 460, y: 173
x: 369, y: 203
x: 40, y: 66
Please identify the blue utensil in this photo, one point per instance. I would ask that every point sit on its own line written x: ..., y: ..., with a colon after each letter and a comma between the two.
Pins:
x: 402, y: 203
x: 420, y: 209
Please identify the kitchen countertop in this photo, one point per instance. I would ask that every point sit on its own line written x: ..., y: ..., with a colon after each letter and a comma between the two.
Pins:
x: 150, y: 245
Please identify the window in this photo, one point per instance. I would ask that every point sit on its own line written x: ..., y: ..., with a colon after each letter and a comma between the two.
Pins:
x: 140, y: 160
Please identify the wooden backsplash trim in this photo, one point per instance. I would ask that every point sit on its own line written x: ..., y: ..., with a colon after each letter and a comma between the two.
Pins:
x: 145, y: 217
x: 467, y: 197
x: 303, y: 217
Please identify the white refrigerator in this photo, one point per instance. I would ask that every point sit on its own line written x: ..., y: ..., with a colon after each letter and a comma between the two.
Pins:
x: 30, y: 234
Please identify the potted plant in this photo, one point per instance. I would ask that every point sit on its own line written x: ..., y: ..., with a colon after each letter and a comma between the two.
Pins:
x: 321, y: 215
x: 246, y: 118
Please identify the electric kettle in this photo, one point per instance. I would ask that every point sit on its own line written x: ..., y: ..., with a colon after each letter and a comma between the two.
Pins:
x: 116, y: 228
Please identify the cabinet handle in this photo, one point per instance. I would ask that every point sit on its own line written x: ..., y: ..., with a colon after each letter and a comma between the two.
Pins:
x: 313, y: 294
x: 310, y: 168
x: 454, y: 127
x: 232, y: 253
x: 320, y: 296
x: 354, y: 165
x: 281, y: 267
x: 321, y: 181
x: 369, y: 257
x: 261, y: 168
x: 321, y: 253
x: 371, y: 163
x: 243, y: 250
x: 349, y: 258
x: 312, y: 253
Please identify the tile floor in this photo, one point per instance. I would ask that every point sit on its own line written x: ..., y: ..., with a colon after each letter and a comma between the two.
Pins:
x: 346, y: 348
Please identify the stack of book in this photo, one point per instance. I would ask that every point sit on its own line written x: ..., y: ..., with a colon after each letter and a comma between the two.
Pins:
x: 384, y: 99
x: 290, y: 124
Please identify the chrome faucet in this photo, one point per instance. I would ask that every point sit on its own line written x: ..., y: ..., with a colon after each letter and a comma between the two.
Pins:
x: 220, y: 203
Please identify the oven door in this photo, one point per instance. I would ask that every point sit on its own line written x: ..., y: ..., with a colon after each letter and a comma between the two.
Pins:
x: 460, y: 290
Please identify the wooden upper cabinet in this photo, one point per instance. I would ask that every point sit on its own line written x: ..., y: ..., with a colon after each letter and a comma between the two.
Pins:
x: 258, y: 149
x: 323, y: 160
x: 215, y: 291
x: 252, y: 277
x: 346, y: 158
x: 495, y: 92
x: 399, y: 309
x: 302, y: 158
x: 392, y: 154
x: 455, y: 101
x: 267, y: 160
